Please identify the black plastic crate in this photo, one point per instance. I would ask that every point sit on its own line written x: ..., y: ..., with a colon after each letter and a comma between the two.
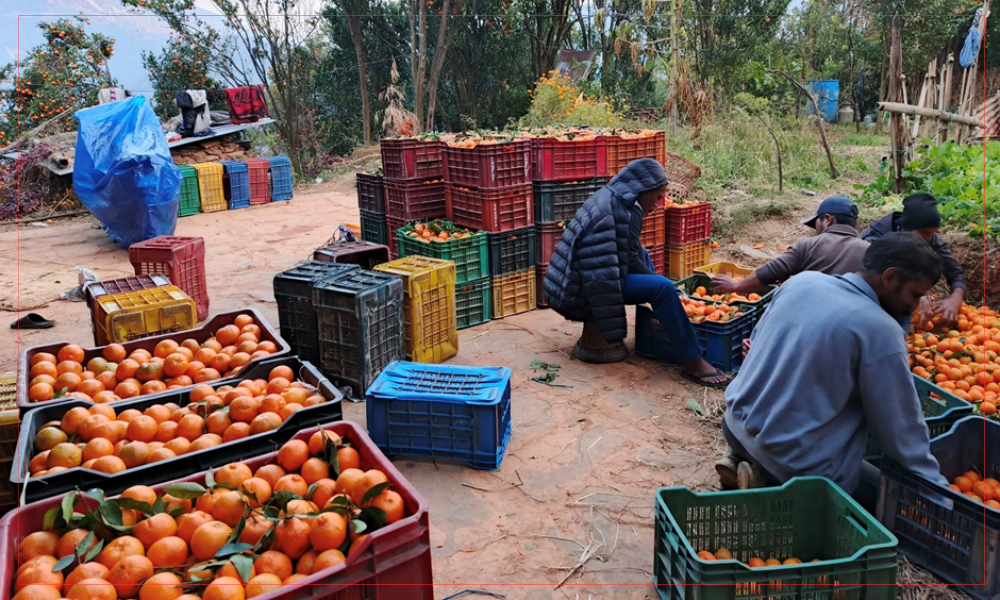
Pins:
x: 511, y: 251
x: 472, y: 302
x: 60, y: 483
x: 374, y: 228
x: 360, y: 317
x: 371, y: 193
x: 721, y: 342
x: 555, y: 201
x: 296, y: 317
x: 363, y: 253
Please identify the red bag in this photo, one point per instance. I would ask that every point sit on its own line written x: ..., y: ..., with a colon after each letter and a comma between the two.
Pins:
x: 246, y: 104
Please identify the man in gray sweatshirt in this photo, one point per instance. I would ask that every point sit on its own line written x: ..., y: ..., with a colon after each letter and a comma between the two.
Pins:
x: 828, y: 366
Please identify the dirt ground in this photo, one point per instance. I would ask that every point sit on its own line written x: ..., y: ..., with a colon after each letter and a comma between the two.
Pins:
x: 583, y: 462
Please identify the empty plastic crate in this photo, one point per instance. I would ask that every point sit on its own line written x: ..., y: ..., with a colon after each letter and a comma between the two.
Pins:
x: 472, y: 302
x: 9, y: 417
x: 492, y: 210
x: 721, y: 342
x: 415, y: 200
x: 371, y: 193
x: 540, y: 285
x: 236, y: 183
x: 512, y: 251
x: 621, y: 151
x: 654, y: 230
x: 547, y: 235
x: 692, y: 282
x: 117, y: 286
x: 808, y: 518
x: 408, y: 158
x: 470, y: 255
x: 143, y: 313
x: 658, y: 256
x: 488, y: 165
x: 293, y: 292
x: 364, y: 254
x: 210, y: 187
x: 688, y: 223
x: 556, y: 201
x: 956, y: 543
x: 553, y: 160
x: 442, y: 412
x: 360, y: 319
x: 392, y: 227
x: 682, y: 260
x: 725, y: 268
x: 514, y: 293
x: 374, y: 228
x: 430, y: 329
x: 260, y: 184
x: 281, y: 178
x: 190, y: 200
x: 180, y: 259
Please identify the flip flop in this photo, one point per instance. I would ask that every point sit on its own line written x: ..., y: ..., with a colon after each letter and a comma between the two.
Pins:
x: 32, y: 321
x: 702, y: 379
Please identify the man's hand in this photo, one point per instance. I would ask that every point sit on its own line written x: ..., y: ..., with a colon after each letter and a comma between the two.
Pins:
x: 924, y: 310
x: 948, y: 309
x: 725, y: 284
x: 746, y: 348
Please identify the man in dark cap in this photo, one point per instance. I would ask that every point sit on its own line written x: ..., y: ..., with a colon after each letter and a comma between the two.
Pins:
x: 834, y: 250
x: 920, y: 216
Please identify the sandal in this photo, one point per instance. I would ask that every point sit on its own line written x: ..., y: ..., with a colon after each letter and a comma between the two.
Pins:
x: 32, y: 321
x: 703, y: 379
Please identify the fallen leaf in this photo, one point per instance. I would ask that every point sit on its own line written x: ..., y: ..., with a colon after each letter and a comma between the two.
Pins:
x: 694, y: 405
x: 528, y: 546
x: 467, y: 550
x: 758, y: 246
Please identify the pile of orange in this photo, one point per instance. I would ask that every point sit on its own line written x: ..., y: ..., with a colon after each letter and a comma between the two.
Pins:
x: 753, y: 563
x: 171, y: 546
x: 97, y: 438
x: 702, y: 293
x: 699, y: 311
x: 981, y: 490
x: 963, y: 360
x: 115, y: 375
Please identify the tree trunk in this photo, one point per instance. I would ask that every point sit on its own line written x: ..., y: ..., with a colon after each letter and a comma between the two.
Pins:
x: 819, y: 119
x: 444, y: 38
x: 897, y: 132
x: 354, y: 24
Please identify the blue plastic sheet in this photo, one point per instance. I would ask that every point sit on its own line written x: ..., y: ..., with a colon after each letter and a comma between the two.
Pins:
x: 123, y: 172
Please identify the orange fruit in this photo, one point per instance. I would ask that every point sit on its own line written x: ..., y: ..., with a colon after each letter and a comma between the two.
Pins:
x: 200, y: 392
x: 114, y: 353
x: 129, y: 573
x: 293, y: 455
x: 252, y: 329
x: 292, y: 483
x: 392, y: 503
x: 256, y: 491
x: 325, y: 489
x: 206, y: 502
x: 127, y: 389
x: 229, y: 570
x: 191, y: 427
x: 328, y: 558
x: 772, y: 562
x: 304, y: 566
x: 265, y: 422
x: 348, y: 458
x: 39, y: 462
x: 160, y: 455
x: 110, y: 382
x: 142, y: 429
x: 272, y: 403
x: 275, y: 563
x: 90, y: 387
x: 64, y: 455
x: 119, y: 548
x: 227, y: 335
x: 964, y: 483
x: 348, y: 480
x: 267, y: 346
x: 208, y: 538
x: 109, y: 464
x: 165, y: 348
x: 67, y: 381
x: 317, y: 441
x: 91, y: 570
x: 126, y: 369
x: 271, y: 474
x: 277, y: 385
x: 224, y: 588
x: 207, y: 374
x: 328, y: 531
x: 218, y: 422
x: 209, y: 440
x: 179, y: 446
x: 50, y: 437
x: 166, y: 431
x: 236, y: 431
x: 233, y: 474
x: 244, y: 409
x: 38, y: 592
x: 313, y: 401
x: 149, y: 371
x: 69, y: 366
x: 42, y: 357
x: 281, y: 371
x: 40, y: 392
x: 158, y: 412
x: 111, y: 430
x: 792, y: 561
x: 756, y: 563
x: 155, y: 528
x: 141, y: 493
x: 152, y: 387
x: 972, y: 476
x: 296, y: 395
x: 161, y: 586
x: 70, y: 352
x: 92, y: 589
x: 980, y: 488
x: 372, y: 478
x: 704, y: 555
x: 291, y: 537
x: 262, y: 584
x: 70, y: 540
x: 173, y: 503
x: 255, y: 528
x: 170, y: 551
x: 239, y: 359
x: 44, y: 368
x: 229, y: 508
x: 299, y: 507
x: 242, y: 321
x: 315, y: 469
x: 188, y: 523
x: 38, y: 573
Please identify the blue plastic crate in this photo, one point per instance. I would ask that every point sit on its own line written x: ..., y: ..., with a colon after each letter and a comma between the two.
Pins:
x: 281, y: 178
x: 236, y: 183
x: 722, y: 342
x: 442, y: 412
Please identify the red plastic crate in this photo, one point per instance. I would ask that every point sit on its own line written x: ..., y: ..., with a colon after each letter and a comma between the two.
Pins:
x: 540, y: 285
x: 392, y: 225
x: 406, y: 158
x: 488, y: 165
x: 181, y: 259
x: 415, y: 200
x: 260, y: 189
x: 394, y: 562
x: 493, y: 210
x: 547, y: 235
x: 688, y: 223
x: 658, y: 256
x: 654, y: 230
x: 553, y: 160
x: 622, y: 151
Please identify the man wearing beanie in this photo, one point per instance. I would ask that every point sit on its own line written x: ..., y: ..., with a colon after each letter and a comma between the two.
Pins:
x: 920, y: 216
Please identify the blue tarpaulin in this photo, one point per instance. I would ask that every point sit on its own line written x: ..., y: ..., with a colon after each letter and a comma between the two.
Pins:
x: 970, y: 50
x: 123, y: 171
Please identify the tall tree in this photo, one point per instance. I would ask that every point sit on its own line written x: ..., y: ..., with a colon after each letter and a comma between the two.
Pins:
x: 548, y: 24
x: 426, y: 83
x: 353, y: 10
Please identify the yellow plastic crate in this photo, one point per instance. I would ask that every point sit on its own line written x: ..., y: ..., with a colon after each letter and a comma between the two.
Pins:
x: 210, y: 187
x: 725, y: 268
x: 682, y: 259
x: 430, y: 326
x: 143, y: 313
x: 513, y: 293
x: 9, y: 423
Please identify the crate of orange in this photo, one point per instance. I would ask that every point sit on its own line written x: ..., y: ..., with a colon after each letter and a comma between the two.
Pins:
x: 700, y: 287
x: 807, y: 538
x: 623, y: 147
x: 152, y: 367
x: 443, y: 240
x: 720, y: 327
x: 688, y: 221
x: 153, y: 440
x: 491, y: 161
x: 249, y: 528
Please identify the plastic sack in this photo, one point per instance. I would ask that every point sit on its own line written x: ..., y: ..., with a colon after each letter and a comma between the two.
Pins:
x: 124, y: 173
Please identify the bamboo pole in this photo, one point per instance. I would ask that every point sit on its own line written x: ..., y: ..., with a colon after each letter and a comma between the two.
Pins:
x: 944, y: 101
x: 897, y: 127
x: 909, y: 109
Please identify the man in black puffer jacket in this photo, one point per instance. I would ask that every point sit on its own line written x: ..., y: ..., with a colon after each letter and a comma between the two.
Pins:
x: 599, y: 266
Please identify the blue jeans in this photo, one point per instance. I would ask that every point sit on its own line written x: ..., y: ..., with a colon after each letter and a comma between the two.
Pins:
x: 661, y: 294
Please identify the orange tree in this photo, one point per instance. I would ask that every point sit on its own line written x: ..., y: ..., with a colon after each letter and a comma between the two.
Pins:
x: 64, y: 73
x: 181, y: 65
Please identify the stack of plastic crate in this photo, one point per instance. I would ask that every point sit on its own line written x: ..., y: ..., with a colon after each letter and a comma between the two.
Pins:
x: 688, y: 226
x: 180, y: 259
x: 413, y: 184
x: 371, y: 202
x: 430, y: 329
x: 293, y: 292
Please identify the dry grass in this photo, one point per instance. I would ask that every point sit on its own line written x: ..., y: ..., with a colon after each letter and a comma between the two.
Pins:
x: 918, y: 584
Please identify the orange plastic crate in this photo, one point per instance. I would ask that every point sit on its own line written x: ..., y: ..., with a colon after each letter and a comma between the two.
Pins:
x: 514, y: 293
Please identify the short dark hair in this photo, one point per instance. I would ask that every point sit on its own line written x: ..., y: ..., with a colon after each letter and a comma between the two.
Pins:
x: 844, y: 220
x: 908, y: 252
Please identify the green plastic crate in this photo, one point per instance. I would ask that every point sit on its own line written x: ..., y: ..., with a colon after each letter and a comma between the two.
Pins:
x: 807, y: 518
x: 939, y: 413
x: 190, y: 199
x: 472, y: 302
x: 689, y: 284
x: 471, y: 255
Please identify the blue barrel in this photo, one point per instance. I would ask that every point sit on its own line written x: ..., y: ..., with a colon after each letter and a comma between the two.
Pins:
x: 827, y: 92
